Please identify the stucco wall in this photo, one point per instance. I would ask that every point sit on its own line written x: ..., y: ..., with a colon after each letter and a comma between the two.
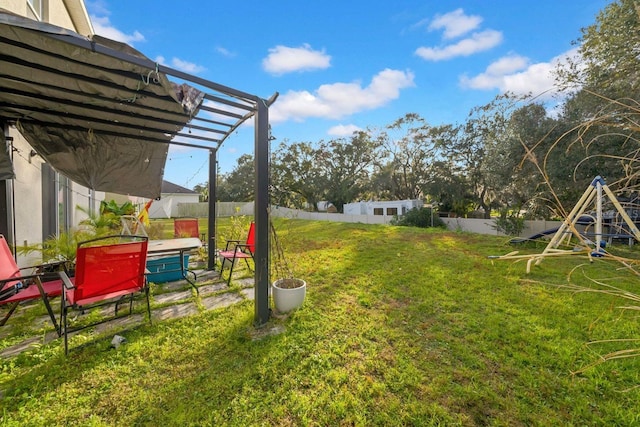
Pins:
x: 27, y: 186
x: 27, y: 192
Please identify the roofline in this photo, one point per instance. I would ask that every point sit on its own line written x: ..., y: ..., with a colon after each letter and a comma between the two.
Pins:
x: 79, y: 16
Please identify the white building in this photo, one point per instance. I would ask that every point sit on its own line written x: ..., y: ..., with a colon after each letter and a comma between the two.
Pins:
x: 167, y: 206
x: 382, y: 208
x: 172, y: 196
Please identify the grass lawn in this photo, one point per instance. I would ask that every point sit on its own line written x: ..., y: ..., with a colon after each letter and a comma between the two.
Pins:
x: 401, y: 326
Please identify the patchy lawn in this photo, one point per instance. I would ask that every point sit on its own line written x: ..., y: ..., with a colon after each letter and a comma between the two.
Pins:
x: 401, y: 326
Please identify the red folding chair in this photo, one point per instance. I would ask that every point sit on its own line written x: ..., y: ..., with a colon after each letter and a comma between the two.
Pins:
x: 16, y: 287
x: 106, y: 273
x: 236, y: 250
x: 186, y: 227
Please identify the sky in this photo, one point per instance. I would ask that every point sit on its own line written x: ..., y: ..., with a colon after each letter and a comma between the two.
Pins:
x: 343, y: 66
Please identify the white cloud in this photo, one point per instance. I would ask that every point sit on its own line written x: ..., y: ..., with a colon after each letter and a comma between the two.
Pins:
x: 98, y: 7
x: 508, y: 64
x: 102, y: 26
x: 516, y: 74
x: 182, y: 65
x: 338, y: 100
x: 455, y: 23
x: 478, y: 42
x: 225, y: 52
x: 283, y: 59
x: 186, y: 66
x: 343, y: 130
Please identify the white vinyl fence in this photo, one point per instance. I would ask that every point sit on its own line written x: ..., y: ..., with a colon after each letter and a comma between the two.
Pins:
x: 472, y: 225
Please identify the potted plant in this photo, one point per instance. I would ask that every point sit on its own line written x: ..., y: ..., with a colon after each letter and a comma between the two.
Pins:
x: 59, y: 250
x: 288, y: 292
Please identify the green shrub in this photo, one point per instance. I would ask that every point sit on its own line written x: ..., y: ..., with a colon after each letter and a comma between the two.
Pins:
x: 509, y: 223
x: 419, y: 217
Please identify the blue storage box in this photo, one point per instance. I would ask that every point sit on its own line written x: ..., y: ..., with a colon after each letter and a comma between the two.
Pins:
x: 166, y: 269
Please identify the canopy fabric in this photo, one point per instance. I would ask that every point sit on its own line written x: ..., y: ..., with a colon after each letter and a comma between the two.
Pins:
x: 104, y: 122
x: 6, y: 167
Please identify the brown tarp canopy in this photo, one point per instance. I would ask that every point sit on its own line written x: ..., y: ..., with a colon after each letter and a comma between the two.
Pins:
x: 101, y: 120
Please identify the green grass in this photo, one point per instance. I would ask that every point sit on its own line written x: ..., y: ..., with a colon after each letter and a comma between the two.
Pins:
x: 401, y: 326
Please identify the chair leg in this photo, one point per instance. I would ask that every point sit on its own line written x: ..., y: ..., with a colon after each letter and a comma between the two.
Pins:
x: 8, y: 315
x: 65, y: 326
x: 191, y: 282
x: 146, y: 292
x: 45, y: 299
x: 222, y: 267
x: 53, y: 317
x: 233, y: 263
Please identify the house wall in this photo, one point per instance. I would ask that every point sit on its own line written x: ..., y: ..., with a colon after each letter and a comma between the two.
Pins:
x: 59, y: 15
x: 27, y: 191
x: 27, y: 185
x: 169, y: 205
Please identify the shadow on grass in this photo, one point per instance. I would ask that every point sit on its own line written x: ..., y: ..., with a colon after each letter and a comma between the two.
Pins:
x: 400, y: 326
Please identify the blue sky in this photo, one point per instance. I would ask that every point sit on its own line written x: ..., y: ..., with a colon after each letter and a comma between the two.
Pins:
x: 341, y: 66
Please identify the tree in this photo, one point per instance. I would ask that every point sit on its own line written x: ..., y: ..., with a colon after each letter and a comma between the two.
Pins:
x: 346, y: 168
x: 513, y: 157
x: 601, y: 117
x: 464, y: 152
x: 296, y: 175
x: 203, y: 190
x: 609, y: 61
x: 406, y: 151
x: 237, y: 185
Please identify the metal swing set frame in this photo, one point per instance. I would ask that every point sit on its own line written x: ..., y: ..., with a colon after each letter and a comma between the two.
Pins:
x: 596, y: 190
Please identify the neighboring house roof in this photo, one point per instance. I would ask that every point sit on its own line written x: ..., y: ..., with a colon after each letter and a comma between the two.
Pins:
x: 170, y: 187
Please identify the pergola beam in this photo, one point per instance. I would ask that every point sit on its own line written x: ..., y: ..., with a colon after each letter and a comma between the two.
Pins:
x: 145, y: 113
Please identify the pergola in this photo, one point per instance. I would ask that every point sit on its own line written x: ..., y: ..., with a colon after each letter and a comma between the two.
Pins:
x: 103, y: 114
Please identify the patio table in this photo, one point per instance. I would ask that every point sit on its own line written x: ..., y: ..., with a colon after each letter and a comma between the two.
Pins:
x: 172, y: 247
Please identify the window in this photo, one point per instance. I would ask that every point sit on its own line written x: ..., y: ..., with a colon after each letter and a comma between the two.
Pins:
x: 34, y: 9
x: 378, y: 211
x: 392, y: 211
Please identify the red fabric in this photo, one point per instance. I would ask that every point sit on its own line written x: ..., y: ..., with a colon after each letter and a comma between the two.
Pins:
x: 232, y: 254
x: 8, y: 266
x: 108, y: 271
x: 51, y: 289
x: 251, y: 238
x: 9, y: 269
x: 186, y: 227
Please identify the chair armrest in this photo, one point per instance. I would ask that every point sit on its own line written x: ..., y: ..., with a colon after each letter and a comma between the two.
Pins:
x: 45, y: 264
x: 26, y: 278
x: 65, y: 280
x: 242, y: 246
x: 230, y: 242
x: 38, y: 269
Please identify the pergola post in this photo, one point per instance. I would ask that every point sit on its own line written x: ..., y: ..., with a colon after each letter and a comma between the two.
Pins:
x: 261, y: 213
x: 211, y: 218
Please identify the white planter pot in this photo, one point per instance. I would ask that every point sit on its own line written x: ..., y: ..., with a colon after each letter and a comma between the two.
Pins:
x: 287, y: 299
